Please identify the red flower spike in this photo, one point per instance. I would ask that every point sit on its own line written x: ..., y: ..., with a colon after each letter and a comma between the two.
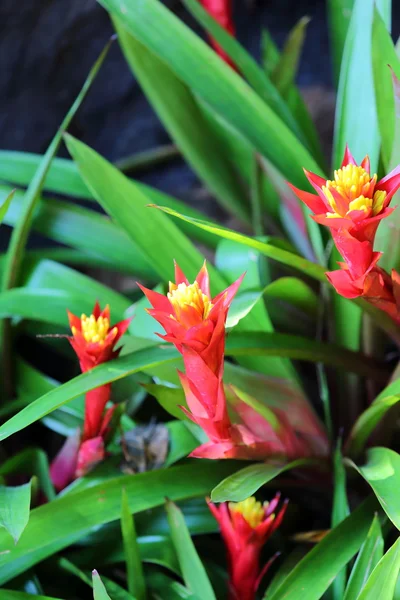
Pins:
x: 245, y: 528
x: 354, y: 200
x: 221, y: 11
x: 195, y: 323
x: 191, y: 317
x: 94, y: 341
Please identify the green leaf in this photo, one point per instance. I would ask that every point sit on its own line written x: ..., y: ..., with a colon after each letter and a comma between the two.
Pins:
x: 382, y: 472
x: 76, y: 514
x: 246, y: 65
x: 291, y: 260
x: 32, y: 196
x: 370, y: 554
x: 355, y: 105
x: 367, y: 422
x: 193, y: 571
x: 14, y: 509
x: 340, y: 511
x: 233, y: 260
x: 339, y: 13
x: 14, y: 595
x: 382, y: 581
x: 247, y: 481
x: 183, y: 118
x: 82, y: 228
x: 51, y: 275
x: 134, y: 567
x: 105, y: 373
x: 6, y: 205
x: 117, y: 592
x: 99, y: 591
x: 32, y: 461
x: 170, y: 398
x: 155, y: 235
x: 152, y: 24
x: 63, y: 177
x: 312, y: 576
x: 386, y: 75
x: 165, y: 588
x: 384, y: 58
x: 279, y: 344
x: 285, y: 72
x: 271, y: 58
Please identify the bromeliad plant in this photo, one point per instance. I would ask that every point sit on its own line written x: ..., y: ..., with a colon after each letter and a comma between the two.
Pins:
x: 269, y: 371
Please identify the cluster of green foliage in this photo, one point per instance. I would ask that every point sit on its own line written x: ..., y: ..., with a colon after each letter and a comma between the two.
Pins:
x: 243, y: 135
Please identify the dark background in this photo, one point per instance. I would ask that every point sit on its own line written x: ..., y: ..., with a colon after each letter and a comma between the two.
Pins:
x: 48, y: 46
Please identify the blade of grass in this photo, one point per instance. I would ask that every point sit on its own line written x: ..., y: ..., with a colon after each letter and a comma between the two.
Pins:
x: 193, y: 571
x: 134, y: 567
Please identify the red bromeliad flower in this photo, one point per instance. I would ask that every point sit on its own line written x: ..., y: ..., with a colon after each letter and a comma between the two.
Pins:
x: 195, y: 323
x: 245, y: 528
x: 352, y: 206
x: 94, y: 341
x: 354, y: 201
x: 221, y: 10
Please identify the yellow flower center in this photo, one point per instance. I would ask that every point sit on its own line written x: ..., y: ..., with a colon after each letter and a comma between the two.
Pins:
x: 94, y: 330
x: 253, y: 512
x: 356, y: 186
x: 184, y: 295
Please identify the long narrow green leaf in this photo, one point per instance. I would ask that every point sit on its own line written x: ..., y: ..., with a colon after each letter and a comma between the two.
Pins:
x: 83, y: 228
x: 246, y: 65
x: 339, y: 13
x: 79, y: 513
x: 370, y: 554
x: 32, y: 461
x: 382, y: 581
x: 134, y: 567
x: 386, y: 65
x: 14, y: 595
x: 285, y: 71
x: 340, y: 511
x: 182, y: 116
x: 291, y: 260
x: 367, y: 422
x: 4, y: 208
x: 232, y: 260
x: 356, y: 104
x: 382, y: 472
x: 193, y: 571
x: 63, y: 177
x: 312, y: 576
x: 247, y: 481
x: 155, y: 235
x: 104, y: 373
x: 271, y: 58
x: 99, y: 590
x: 219, y: 86
x: 21, y: 230
x: 14, y: 509
x: 279, y: 344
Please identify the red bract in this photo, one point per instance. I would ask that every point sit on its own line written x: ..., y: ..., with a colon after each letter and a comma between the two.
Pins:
x: 221, y: 11
x: 195, y: 323
x: 94, y: 341
x: 245, y: 528
x: 354, y: 201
